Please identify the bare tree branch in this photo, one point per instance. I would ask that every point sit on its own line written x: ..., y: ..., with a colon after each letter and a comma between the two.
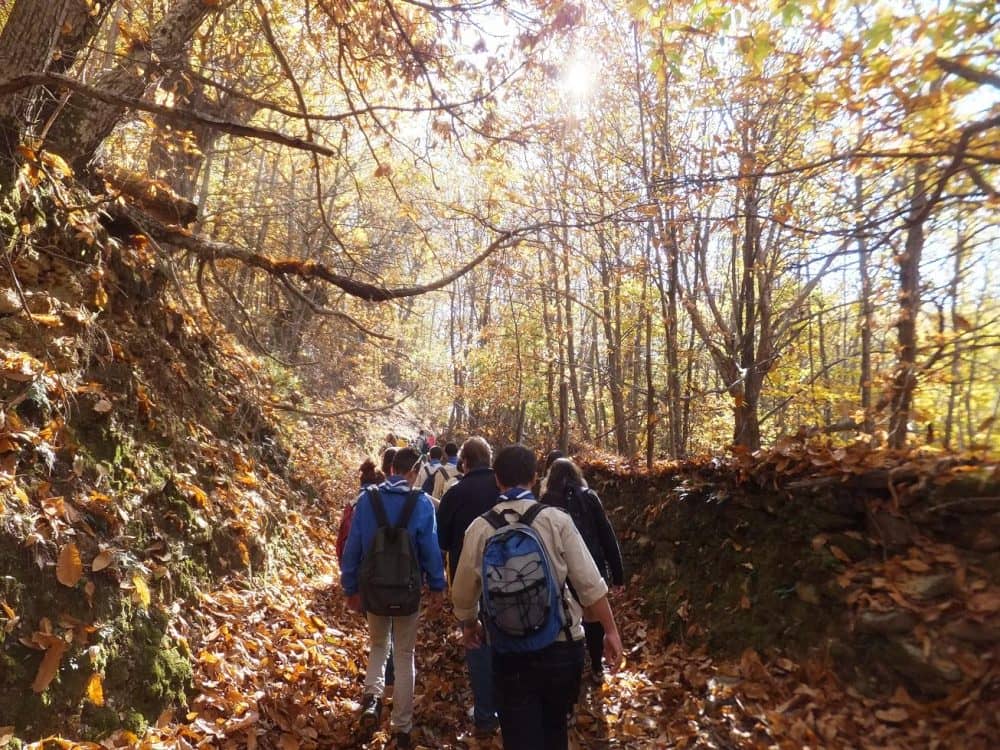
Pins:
x: 968, y: 72
x: 175, y: 116
x: 211, y: 250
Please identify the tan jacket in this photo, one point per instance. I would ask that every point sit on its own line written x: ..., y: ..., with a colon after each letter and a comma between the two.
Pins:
x: 567, y: 553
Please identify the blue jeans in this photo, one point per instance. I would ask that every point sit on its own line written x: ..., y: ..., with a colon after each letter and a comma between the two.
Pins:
x: 480, y: 663
x: 535, y: 693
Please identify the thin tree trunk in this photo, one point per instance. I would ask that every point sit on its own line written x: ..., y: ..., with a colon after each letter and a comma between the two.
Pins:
x: 867, y: 310
x: 905, y: 379
x: 956, y: 352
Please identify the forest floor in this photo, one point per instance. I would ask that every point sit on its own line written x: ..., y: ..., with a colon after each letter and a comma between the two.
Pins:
x: 282, y: 666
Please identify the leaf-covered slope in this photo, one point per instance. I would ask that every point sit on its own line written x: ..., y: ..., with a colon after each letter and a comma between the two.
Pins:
x: 137, y: 466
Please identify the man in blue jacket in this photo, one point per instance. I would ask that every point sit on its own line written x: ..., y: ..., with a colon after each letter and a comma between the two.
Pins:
x: 422, y: 528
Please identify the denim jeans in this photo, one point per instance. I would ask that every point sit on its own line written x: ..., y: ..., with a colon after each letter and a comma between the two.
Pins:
x: 535, y: 693
x: 480, y: 663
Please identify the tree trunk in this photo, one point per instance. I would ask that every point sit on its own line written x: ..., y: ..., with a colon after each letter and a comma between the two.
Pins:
x: 612, y: 341
x: 84, y: 123
x: 26, y: 46
x: 571, y: 365
x: 956, y: 352
x: 867, y: 311
x: 905, y: 379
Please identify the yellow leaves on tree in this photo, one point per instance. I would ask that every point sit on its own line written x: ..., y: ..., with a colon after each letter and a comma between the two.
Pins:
x: 69, y: 567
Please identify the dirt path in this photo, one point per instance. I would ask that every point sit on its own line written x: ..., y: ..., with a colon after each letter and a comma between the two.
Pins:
x: 283, y: 667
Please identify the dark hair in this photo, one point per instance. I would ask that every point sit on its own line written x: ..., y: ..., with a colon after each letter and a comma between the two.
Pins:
x: 368, y: 473
x: 563, y: 474
x: 476, y: 453
x: 515, y: 466
x: 553, y: 456
x: 436, y: 453
x: 405, y: 460
x: 387, y: 457
x: 450, y: 449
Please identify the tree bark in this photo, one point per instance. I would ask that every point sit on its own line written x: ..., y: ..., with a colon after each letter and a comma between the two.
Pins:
x: 26, y: 46
x: 905, y: 379
x: 84, y: 123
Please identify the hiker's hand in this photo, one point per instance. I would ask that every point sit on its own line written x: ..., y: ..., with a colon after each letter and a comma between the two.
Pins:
x: 472, y: 635
x: 613, y: 651
x: 354, y: 603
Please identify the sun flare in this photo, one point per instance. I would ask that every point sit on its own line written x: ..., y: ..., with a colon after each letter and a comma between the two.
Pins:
x: 579, y: 77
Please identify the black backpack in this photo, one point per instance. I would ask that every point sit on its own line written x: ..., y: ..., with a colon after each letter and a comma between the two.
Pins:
x: 389, y: 579
x: 580, y: 508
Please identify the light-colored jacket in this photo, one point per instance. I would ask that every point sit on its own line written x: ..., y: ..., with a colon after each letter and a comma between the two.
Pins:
x: 444, y: 477
x: 567, y: 553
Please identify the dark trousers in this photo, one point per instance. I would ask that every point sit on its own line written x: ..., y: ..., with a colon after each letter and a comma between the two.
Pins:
x: 594, y: 633
x: 535, y: 693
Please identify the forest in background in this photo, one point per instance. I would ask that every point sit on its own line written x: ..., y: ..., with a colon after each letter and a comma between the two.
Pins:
x: 243, y: 239
x: 656, y: 228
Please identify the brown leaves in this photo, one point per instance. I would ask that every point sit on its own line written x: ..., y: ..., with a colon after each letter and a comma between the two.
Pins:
x: 69, y: 568
x: 55, y: 647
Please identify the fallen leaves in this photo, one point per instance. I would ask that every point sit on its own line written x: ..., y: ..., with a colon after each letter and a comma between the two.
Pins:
x: 55, y: 647
x: 69, y: 568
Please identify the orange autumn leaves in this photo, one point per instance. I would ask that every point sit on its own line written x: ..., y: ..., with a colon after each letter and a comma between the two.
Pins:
x: 69, y: 568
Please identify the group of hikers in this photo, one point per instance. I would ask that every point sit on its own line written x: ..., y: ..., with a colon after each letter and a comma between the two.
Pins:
x: 529, y: 564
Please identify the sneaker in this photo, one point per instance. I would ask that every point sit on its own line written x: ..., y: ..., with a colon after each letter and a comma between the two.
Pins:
x: 371, y: 714
x: 597, y: 678
x: 402, y: 740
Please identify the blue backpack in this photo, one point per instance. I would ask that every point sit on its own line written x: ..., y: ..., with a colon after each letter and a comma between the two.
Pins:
x: 523, y: 604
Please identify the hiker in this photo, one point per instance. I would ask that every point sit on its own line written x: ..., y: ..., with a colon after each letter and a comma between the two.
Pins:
x: 446, y: 475
x: 567, y: 489
x: 387, y: 456
x: 368, y: 475
x: 390, y: 442
x: 412, y: 509
x: 420, y: 443
x: 549, y: 460
x: 460, y: 506
x: 427, y: 469
x: 534, y: 626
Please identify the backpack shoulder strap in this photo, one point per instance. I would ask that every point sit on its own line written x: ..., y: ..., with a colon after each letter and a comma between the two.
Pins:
x: 494, y: 519
x: 532, y: 513
x: 411, y: 503
x: 378, y: 507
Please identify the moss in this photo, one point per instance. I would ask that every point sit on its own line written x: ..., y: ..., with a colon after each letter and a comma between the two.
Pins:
x: 135, y: 722
x: 99, y: 721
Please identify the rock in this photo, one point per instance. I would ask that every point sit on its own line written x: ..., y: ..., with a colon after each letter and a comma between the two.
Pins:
x: 893, y: 622
x: 929, y: 587
x: 896, y: 533
x: 973, y: 632
x: 824, y: 520
x: 928, y: 674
